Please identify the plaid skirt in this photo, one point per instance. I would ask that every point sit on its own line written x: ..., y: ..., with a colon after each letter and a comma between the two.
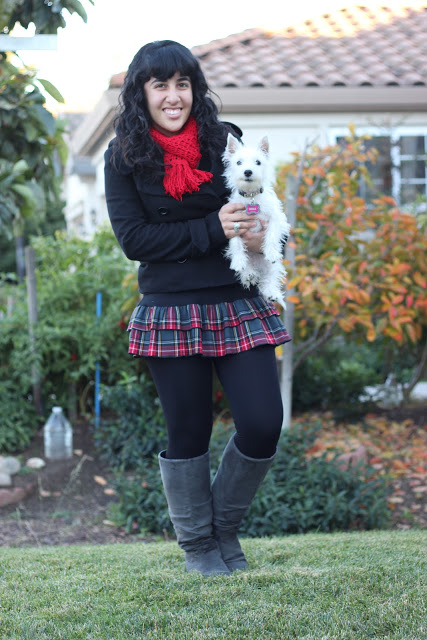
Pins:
x: 210, y: 330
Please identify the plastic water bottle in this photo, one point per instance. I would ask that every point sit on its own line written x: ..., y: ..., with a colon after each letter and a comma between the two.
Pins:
x: 58, y: 436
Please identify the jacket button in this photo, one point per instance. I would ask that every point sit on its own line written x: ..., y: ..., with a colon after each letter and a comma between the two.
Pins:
x: 163, y: 211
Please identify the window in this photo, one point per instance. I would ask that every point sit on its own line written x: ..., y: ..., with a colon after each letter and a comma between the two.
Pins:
x: 400, y: 170
x: 412, y: 165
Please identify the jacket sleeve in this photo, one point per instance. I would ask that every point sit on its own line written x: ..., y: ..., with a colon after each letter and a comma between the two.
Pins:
x: 148, y: 242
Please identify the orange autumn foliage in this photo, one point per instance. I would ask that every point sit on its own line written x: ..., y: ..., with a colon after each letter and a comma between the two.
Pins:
x: 360, y: 267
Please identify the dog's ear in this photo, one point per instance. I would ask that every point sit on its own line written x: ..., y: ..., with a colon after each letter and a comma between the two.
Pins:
x: 232, y: 144
x: 264, y: 145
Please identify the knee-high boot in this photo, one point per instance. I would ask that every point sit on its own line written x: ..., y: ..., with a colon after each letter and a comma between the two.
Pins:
x: 233, y: 489
x: 188, y: 493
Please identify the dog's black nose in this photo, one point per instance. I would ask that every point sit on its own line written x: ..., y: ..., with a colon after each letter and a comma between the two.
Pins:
x: 248, y: 173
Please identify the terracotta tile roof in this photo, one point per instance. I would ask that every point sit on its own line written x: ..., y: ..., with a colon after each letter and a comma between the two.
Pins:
x: 117, y: 80
x: 355, y: 46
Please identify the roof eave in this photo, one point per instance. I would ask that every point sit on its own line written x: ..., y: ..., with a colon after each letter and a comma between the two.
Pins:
x: 99, y: 122
x: 322, y: 99
x: 95, y: 126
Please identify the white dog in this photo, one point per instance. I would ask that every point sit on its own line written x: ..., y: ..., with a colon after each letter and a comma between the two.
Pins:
x: 249, y: 175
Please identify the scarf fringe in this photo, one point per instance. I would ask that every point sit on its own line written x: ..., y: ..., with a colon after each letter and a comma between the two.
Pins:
x: 176, y: 182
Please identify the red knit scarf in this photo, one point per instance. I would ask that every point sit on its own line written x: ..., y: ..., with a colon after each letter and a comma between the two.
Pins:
x: 182, y: 155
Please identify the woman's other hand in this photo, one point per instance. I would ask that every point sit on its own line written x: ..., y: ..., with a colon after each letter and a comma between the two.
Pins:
x: 254, y: 241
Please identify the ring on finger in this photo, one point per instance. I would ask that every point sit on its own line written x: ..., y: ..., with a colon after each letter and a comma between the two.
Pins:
x: 236, y: 227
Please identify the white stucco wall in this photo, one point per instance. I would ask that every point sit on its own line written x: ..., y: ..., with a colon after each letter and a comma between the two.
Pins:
x: 80, y: 208
x: 289, y: 132
x: 86, y: 208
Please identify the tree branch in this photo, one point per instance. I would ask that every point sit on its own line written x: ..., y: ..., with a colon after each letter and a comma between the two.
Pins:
x: 417, y: 373
x: 315, y: 345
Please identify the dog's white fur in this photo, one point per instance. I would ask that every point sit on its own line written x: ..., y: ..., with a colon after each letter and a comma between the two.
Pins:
x: 247, y: 170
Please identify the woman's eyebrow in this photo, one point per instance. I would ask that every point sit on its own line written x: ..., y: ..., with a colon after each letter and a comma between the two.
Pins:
x: 154, y: 80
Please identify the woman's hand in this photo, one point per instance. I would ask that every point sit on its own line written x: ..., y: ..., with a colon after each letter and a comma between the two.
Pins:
x: 232, y: 214
x: 254, y: 241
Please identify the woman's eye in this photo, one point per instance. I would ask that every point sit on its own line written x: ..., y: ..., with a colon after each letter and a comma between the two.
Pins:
x: 239, y: 162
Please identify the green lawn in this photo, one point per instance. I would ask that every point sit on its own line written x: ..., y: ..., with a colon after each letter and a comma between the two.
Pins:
x: 316, y: 587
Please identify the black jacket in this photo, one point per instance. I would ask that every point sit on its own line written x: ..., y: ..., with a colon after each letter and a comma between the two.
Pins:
x: 178, y: 243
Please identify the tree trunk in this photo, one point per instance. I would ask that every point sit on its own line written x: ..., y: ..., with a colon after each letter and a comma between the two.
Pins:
x: 288, y: 313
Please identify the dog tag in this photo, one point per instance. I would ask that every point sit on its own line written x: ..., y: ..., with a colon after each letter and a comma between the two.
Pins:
x: 252, y: 209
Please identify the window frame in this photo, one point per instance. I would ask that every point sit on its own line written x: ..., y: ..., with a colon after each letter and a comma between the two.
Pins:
x: 396, y: 156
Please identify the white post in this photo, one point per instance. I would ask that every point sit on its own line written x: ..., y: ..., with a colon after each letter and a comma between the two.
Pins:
x: 288, y: 314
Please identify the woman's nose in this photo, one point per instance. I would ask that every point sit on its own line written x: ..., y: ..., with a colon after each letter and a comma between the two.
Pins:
x: 172, y: 96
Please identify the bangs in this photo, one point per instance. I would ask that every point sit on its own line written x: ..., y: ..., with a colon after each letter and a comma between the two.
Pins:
x: 171, y: 59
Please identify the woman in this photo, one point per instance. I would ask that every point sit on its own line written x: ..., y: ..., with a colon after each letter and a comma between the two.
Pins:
x: 167, y: 202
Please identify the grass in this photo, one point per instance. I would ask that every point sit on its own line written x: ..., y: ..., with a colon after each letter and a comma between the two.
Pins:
x: 346, y: 586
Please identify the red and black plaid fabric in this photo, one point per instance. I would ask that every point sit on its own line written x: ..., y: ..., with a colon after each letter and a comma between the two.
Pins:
x: 211, y: 330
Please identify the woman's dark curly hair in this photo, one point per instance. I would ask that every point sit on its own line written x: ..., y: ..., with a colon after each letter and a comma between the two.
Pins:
x: 161, y: 60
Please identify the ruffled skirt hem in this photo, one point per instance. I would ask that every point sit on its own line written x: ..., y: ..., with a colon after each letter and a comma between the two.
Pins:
x: 210, y: 330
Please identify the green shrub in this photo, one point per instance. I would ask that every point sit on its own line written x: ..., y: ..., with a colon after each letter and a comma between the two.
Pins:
x: 19, y: 420
x: 69, y: 339
x: 135, y: 429
x: 142, y: 504
x: 335, y: 377
x: 300, y: 494
x: 303, y: 494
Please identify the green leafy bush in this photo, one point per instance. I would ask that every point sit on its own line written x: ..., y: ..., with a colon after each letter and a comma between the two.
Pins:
x: 69, y: 339
x: 129, y: 440
x: 300, y: 493
x: 136, y: 429
x: 335, y: 378
x: 142, y: 504
x: 19, y: 421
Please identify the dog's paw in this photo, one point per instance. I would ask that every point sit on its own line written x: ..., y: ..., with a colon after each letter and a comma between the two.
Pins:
x: 249, y: 278
x: 272, y: 293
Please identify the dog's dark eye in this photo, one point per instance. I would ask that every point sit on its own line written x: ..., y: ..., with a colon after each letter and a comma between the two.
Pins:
x: 258, y: 162
x: 239, y: 162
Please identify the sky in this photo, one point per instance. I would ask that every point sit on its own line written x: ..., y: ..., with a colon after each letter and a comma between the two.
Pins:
x: 89, y: 54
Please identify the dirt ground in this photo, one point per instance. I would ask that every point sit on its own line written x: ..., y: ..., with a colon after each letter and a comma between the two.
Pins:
x: 68, y: 501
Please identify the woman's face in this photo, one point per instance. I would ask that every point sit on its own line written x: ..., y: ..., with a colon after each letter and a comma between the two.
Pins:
x: 169, y: 103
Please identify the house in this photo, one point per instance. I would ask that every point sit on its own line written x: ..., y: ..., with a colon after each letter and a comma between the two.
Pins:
x: 304, y: 83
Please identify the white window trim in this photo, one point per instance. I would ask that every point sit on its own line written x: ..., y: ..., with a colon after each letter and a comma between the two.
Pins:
x: 394, y: 133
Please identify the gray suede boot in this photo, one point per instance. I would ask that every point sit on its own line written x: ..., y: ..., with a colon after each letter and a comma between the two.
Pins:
x: 188, y: 493
x: 233, y: 489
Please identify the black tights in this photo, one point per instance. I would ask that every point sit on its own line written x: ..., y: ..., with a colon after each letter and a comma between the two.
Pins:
x: 251, y: 384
